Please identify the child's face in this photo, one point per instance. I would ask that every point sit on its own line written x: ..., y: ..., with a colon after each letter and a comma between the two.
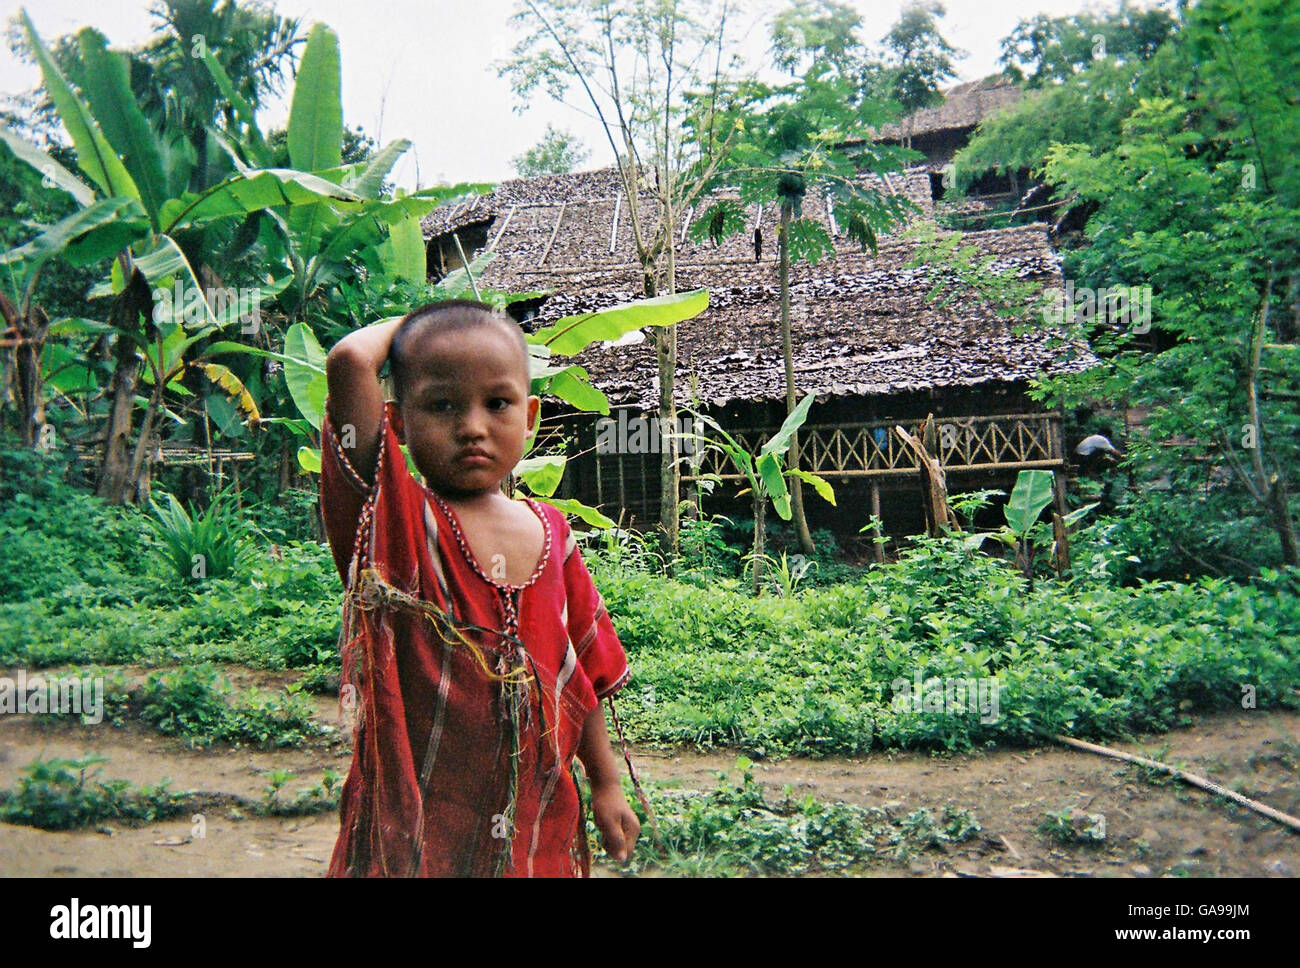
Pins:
x: 466, y: 411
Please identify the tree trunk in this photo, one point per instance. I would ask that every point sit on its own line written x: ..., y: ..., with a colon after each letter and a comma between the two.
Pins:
x: 30, y: 326
x: 666, y: 345
x: 115, y: 482
x: 1280, y: 507
x: 115, y: 466
x: 760, y: 507
x: 140, y: 460
x: 787, y: 352
x: 284, y: 479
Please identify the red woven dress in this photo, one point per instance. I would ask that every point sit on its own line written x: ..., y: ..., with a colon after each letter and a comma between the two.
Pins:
x: 465, y: 730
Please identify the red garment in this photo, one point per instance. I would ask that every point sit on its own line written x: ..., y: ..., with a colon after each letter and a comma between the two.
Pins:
x: 429, y: 792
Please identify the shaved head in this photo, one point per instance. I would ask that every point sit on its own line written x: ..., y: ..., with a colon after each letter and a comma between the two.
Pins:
x: 413, y: 344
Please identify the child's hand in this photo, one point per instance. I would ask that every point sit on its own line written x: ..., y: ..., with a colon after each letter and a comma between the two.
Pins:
x: 619, y: 827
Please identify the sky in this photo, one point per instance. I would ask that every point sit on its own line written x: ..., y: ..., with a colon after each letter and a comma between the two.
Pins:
x: 426, y: 71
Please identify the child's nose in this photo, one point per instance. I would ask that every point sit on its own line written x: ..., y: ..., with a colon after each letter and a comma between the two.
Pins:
x: 474, y: 423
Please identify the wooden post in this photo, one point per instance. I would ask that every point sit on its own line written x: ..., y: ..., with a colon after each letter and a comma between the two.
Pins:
x: 622, y: 493
x: 1061, y: 553
x: 934, y: 488
x: 1058, y: 477
x: 878, y: 547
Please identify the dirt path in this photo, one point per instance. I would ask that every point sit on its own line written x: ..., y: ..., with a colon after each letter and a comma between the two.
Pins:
x: 1152, y: 829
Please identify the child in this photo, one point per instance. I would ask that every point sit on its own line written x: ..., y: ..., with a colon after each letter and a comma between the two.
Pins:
x: 474, y: 643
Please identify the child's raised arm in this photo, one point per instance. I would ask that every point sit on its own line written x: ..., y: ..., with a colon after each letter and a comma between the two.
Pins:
x: 355, y: 396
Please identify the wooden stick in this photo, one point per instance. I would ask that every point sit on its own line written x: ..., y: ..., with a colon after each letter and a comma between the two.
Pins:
x: 464, y: 259
x: 554, y: 232
x: 1192, y: 778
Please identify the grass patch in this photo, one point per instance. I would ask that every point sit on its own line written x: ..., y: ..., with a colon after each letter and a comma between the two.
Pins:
x: 735, y: 830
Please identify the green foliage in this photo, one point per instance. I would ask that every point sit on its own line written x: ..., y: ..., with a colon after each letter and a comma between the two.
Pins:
x: 1032, y: 493
x: 193, y: 702
x: 57, y: 794
x: 1044, y: 49
x: 783, y: 575
x: 85, y: 586
x: 558, y: 153
x: 60, y: 541
x: 319, y: 798
x: 735, y: 829
x: 703, y: 548
x: 199, y: 545
x: 814, y: 673
x: 1071, y: 826
x: 921, y: 58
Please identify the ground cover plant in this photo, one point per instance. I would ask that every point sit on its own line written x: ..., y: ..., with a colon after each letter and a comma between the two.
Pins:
x: 57, y: 794
x: 60, y: 794
x: 819, y: 672
x: 737, y: 829
x: 810, y: 672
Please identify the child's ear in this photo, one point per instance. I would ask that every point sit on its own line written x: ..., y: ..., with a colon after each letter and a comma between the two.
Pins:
x: 534, y: 408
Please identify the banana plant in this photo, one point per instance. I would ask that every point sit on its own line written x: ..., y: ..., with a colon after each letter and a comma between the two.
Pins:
x: 137, y: 211
x: 569, y: 382
x: 767, y: 475
x: 1031, y: 494
x: 321, y: 242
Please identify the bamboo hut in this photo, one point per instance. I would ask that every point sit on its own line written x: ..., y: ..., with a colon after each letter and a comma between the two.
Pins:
x: 867, y: 341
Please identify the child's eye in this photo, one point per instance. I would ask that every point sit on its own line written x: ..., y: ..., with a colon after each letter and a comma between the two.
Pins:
x: 440, y: 406
x: 499, y: 403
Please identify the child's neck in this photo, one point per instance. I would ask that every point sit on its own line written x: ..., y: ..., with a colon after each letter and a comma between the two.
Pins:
x: 474, y: 501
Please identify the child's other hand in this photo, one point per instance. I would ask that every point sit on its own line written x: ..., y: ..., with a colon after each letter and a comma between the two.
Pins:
x: 619, y: 827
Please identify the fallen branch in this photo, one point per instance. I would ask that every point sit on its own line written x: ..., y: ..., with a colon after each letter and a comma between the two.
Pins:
x: 1192, y: 778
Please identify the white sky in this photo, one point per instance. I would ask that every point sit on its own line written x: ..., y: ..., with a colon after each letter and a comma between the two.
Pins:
x: 423, y: 70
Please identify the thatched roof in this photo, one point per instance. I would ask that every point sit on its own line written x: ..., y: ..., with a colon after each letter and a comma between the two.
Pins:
x: 964, y: 106
x: 862, y: 322
x: 544, y: 227
x: 603, y: 183
x: 862, y: 325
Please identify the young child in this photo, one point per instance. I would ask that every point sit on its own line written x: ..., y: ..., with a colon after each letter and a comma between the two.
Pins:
x: 475, y: 645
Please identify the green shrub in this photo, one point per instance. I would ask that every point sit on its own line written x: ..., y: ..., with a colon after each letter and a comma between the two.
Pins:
x: 201, y: 545
x: 193, y: 702
x: 57, y: 794
x: 814, y: 673
x: 281, y: 612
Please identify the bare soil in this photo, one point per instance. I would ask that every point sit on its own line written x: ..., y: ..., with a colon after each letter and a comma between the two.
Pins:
x: 1152, y: 828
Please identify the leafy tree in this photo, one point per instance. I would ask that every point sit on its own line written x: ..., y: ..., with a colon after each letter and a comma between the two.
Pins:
x: 1197, y: 198
x: 649, y: 71
x: 1228, y: 383
x: 918, y: 58
x: 158, y: 232
x: 1089, y: 72
x: 558, y: 153
x: 789, y: 141
x: 1043, y: 50
x: 818, y: 31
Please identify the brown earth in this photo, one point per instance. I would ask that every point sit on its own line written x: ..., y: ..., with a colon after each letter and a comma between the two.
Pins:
x: 1152, y: 828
